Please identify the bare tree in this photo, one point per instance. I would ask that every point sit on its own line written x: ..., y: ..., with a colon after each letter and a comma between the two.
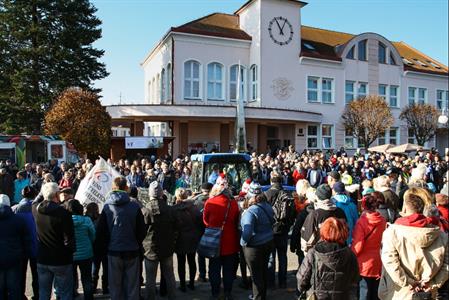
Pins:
x: 422, y: 119
x: 367, y: 118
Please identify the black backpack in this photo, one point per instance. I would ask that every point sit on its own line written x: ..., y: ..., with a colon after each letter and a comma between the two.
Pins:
x: 284, y: 212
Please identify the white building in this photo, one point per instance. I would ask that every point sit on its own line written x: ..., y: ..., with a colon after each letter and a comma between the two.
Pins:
x: 295, y: 80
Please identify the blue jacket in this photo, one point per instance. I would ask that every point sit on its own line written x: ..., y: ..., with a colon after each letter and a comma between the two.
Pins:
x: 19, y: 185
x: 257, y: 225
x: 135, y: 180
x: 84, y: 237
x: 23, y: 210
x: 15, y: 241
x: 121, y: 224
x: 347, y: 205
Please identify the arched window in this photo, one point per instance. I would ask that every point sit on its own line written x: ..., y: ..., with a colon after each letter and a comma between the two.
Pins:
x: 382, y: 53
x: 149, y: 92
x: 350, y: 54
x: 153, y: 91
x: 361, y: 50
x: 254, y: 82
x: 215, y: 81
x: 169, y: 81
x: 192, y: 80
x: 163, y: 86
x: 234, y: 78
x: 158, y: 89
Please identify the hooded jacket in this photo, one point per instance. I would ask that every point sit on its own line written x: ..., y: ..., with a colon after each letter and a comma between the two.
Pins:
x: 15, y: 239
x: 310, y: 231
x: 414, y: 252
x: 121, y: 227
x: 344, y: 202
x: 85, y: 237
x: 330, y: 270
x: 366, y: 241
x: 23, y: 210
x: 56, y: 237
x: 19, y: 185
x: 257, y: 225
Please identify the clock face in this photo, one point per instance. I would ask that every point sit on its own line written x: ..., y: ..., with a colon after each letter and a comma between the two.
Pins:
x: 281, y: 31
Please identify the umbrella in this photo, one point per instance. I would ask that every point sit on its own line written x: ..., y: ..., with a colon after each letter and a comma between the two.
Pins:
x: 380, y: 148
x: 404, y: 148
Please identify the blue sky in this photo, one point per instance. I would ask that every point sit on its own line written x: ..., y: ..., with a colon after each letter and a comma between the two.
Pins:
x: 132, y: 27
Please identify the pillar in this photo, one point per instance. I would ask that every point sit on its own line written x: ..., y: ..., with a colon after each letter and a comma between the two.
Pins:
x: 261, y: 138
x: 183, y: 138
x: 224, y: 137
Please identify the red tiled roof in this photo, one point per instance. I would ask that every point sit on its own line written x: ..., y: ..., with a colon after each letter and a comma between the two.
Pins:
x: 216, y: 24
x: 323, y: 41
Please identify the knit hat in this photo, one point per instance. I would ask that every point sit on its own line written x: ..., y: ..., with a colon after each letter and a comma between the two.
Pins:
x: 221, y: 180
x: 346, y: 179
x: 367, y: 191
x: 339, y: 187
x: 4, y: 200
x: 246, y: 185
x: 155, y: 190
x: 254, y: 189
x: 324, y: 192
x: 335, y: 175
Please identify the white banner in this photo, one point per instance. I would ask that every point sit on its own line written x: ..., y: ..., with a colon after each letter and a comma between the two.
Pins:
x: 97, y: 184
x: 143, y: 142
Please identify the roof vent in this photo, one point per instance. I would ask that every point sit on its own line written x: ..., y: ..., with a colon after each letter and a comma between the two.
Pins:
x: 406, y: 61
x: 420, y: 62
x: 308, y: 46
x: 434, y: 64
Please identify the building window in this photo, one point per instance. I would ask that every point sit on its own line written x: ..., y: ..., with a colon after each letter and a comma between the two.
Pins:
x: 393, y: 134
x: 191, y: 79
x: 394, y: 96
x: 411, y: 95
x: 320, y: 89
x: 149, y: 92
x: 169, y: 82
x: 383, y: 91
x: 382, y: 53
x: 362, y: 90
x: 362, y: 50
x: 350, y: 54
x: 327, y: 90
x: 215, y: 81
x: 411, y: 136
x: 327, y: 136
x: 312, y: 136
x: 442, y: 99
x: 349, y: 91
x: 312, y: 89
x: 153, y: 91
x: 163, y: 86
x: 390, y: 136
x: 254, y: 83
x: 350, y: 140
x: 422, y: 96
x: 158, y: 88
x: 392, y: 60
x: 233, y: 82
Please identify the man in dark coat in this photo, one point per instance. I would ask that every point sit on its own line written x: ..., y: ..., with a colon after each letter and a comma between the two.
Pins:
x: 6, y: 183
x: 122, y: 230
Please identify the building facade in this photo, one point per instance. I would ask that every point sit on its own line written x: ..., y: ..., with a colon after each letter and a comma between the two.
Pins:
x: 295, y: 81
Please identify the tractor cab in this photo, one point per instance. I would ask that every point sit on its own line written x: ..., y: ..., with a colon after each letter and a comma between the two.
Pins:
x: 235, y: 167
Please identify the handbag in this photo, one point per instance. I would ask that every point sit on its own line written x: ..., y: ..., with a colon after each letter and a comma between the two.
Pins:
x: 209, y: 245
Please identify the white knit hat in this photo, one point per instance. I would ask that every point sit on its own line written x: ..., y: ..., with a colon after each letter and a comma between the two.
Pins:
x: 4, y: 200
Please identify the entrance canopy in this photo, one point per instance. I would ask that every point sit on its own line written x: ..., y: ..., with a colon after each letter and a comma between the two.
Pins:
x: 163, y: 113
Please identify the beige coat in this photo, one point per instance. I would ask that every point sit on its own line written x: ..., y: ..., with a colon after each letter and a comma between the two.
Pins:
x: 412, y: 254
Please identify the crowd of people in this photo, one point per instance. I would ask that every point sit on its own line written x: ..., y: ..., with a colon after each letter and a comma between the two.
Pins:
x: 370, y: 226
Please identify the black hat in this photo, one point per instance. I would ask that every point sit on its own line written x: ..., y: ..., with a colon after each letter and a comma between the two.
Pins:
x: 323, y: 192
x: 207, y: 186
x: 66, y: 190
x: 335, y: 175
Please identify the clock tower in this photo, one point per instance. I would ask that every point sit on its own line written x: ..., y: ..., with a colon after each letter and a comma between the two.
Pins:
x: 275, y: 27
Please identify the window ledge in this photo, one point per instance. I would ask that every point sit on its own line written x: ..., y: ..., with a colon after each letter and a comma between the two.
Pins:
x: 193, y: 99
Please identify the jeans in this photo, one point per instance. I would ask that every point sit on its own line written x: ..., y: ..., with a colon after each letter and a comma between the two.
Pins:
x: 35, y: 280
x: 368, y: 287
x: 182, y: 268
x: 100, y: 261
x: 280, y: 247
x: 11, y: 283
x: 60, y: 276
x: 229, y: 264
x: 166, y: 272
x: 124, y: 275
x: 202, y: 266
x: 85, y: 267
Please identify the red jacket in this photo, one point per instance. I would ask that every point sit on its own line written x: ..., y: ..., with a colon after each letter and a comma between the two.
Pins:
x: 297, y: 176
x: 213, y: 216
x: 444, y: 212
x: 366, y: 240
